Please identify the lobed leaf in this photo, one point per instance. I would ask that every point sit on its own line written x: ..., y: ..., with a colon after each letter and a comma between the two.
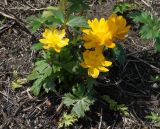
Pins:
x: 157, y: 44
x: 67, y: 120
x: 49, y: 85
x: 36, y: 87
x: 150, y: 28
x: 119, y: 54
x: 42, y: 74
x: 71, y: 67
x: 78, y: 5
x: 122, y: 7
x: 77, y: 21
x: 113, y: 105
x: 37, y: 46
x: 35, y: 23
x: 34, y: 75
x: 80, y: 100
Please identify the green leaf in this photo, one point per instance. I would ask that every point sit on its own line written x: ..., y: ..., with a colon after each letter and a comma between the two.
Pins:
x: 122, y: 7
x: 36, y: 87
x: 78, y: 5
x: 67, y: 120
x: 148, y: 32
x: 46, y: 54
x: 41, y: 66
x: 151, y: 24
x: 71, y: 67
x: 157, y: 44
x: 80, y: 100
x: 15, y: 85
x: 52, y: 22
x: 18, y: 83
x: 142, y: 17
x: 81, y: 106
x: 52, y: 16
x: 34, y: 75
x: 65, y: 55
x: 78, y: 90
x: 69, y: 99
x: 37, y: 46
x: 155, y: 78
x: 40, y: 62
x: 42, y: 69
x: 47, y: 71
x: 49, y: 85
x: 53, y: 12
x: 123, y: 109
x: 34, y: 23
x: 154, y: 117
x: 77, y: 21
x: 113, y: 105
x: 58, y: 14
x: 42, y: 74
x: 56, y: 68
x: 90, y: 83
x: 119, y: 54
x: 48, y: 12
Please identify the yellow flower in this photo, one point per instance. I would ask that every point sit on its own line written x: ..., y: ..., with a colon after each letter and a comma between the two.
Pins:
x: 121, y: 26
x: 95, y: 62
x: 101, y: 33
x: 104, y: 32
x: 53, y: 38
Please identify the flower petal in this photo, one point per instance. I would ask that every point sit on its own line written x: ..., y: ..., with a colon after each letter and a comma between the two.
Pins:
x: 53, y: 38
x: 110, y: 45
x: 45, y: 41
x: 89, y: 45
x: 94, y: 72
x: 103, y: 69
x: 107, y: 63
x: 83, y: 65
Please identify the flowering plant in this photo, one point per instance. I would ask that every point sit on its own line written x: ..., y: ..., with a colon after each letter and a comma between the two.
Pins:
x: 72, y: 53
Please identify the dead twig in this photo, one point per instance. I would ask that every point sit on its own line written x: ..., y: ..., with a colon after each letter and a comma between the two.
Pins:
x: 5, y: 125
x: 100, y: 84
x: 28, y: 8
x: 141, y: 51
x: 140, y: 76
x: 37, y: 108
x: 8, y: 99
x: 6, y: 26
x: 146, y: 3
x: 59, y: 107
x: 150, y: 65
x: 7, y: 16
x: 10, y: 15
x: 101, y: 116
x: 6, y: 3
x: 3, y: 94
x: 16, y: 112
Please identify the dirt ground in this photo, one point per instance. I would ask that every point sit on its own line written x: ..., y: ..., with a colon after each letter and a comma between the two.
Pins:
x: 130, y: 85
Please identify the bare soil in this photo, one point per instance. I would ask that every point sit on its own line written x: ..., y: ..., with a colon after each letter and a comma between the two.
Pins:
x: 130, y: 85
